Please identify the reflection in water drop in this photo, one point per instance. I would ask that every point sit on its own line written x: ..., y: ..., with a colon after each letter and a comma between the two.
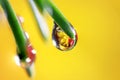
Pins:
x: 30, y: 57
x: 61, y: 40
x: 30, y: 53
x: 26, y: 60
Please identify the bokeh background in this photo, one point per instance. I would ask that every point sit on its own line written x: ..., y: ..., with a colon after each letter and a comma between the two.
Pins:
x: 95, y: 57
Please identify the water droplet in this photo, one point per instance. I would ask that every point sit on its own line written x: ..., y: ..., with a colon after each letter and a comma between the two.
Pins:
x: 26, y: 60
x: 21, y: 19
x: 30, y: 52
x: 29, y: 59
x: 61, y: 40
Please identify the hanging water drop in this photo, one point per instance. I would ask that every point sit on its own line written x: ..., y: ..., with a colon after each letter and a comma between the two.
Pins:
x: 61, y: 40
x: 26, y: 59
x: 30, y: 53
x: 29, y: 60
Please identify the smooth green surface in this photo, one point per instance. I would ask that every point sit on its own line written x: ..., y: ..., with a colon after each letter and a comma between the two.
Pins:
x: 16, y: 28
x: 58, y: 17
x: 40, y: 4
x: 42, y: 25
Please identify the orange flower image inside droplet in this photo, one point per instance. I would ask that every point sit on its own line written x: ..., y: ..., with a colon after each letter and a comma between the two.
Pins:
x: 61, y: 40
x: 96, y: 56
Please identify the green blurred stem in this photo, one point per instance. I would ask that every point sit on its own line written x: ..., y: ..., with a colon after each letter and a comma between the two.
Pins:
x: 40, y: 21
x: 58, y: 17
x: 16, y: 28
x: 40, y: 4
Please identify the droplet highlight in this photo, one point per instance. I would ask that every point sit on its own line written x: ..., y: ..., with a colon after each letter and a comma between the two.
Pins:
x: 61, y: 40
x: 31, y: 54
x: 29, y: 59
x: 21, y: 19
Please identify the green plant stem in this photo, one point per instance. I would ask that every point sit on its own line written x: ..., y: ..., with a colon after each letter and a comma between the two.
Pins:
x: 58, y: 17
x: 16, y: 28
x: 43, y: 27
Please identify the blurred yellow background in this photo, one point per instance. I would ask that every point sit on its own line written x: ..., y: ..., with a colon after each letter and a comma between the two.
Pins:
x: 95, y: 57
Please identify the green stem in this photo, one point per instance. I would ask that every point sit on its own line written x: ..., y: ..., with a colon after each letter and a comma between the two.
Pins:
x: 57, y: 16
x: 40, y: 4
x: 40, y: 21
x: 16, y: 28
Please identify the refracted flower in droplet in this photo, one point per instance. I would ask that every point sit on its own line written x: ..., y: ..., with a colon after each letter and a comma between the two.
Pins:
x: 61, y: 40
x: 27, y: 63
x: 30, y: 52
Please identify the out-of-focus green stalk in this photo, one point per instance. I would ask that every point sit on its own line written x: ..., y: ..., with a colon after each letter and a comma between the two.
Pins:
x: 58, y: 17
x: 17, y: 31
x: 16, y: 28
x: 41, y: 4
x: 43, y: 27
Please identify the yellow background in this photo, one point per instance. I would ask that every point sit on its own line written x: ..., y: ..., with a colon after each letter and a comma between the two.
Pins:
x: 95, y: 57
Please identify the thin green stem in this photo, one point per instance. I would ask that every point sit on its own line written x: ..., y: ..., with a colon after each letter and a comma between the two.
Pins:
x: 58, y: 17
x: 16, y: 28
x: 40, y: 21
x: 41, y: 4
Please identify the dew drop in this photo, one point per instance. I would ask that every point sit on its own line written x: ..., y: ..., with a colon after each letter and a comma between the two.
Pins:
x: 29, y: 59
x: 31, y: 54
x: 61, y: 40
x: 21, y: 19
x: 26, y: 60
